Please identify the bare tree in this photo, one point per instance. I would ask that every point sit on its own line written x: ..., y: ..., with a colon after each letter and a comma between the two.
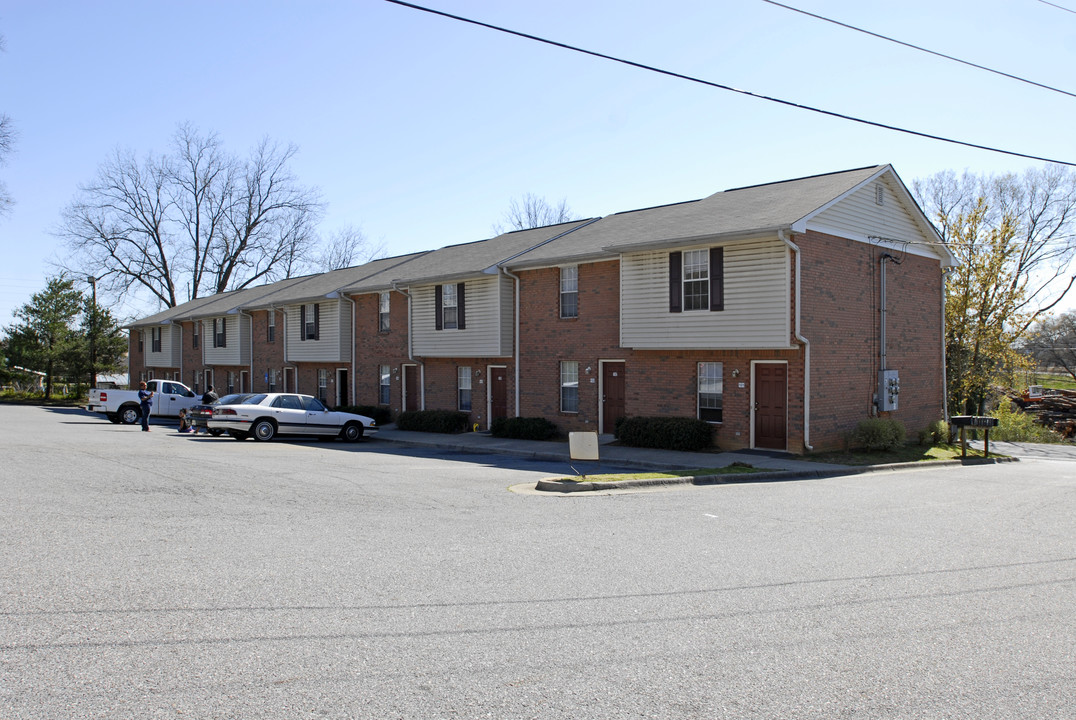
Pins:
x: 193, y: 222
x: 7, y: 145
x: 1041, y: 203
x: 1052, y: 343
x: 346, y: 247
x: 532, y: 211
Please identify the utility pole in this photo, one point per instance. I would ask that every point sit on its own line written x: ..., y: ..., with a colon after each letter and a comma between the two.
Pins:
x: 93, y: 332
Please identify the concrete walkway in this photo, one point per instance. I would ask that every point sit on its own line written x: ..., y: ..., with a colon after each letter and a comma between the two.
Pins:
x: 613, y: 456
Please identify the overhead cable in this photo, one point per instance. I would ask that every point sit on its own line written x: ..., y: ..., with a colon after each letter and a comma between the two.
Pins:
x: 729, y: 88
x: 1059, y: 7
x: 921, y: 49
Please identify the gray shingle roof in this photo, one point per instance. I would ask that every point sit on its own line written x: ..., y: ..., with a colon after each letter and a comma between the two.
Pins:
x: 740, y: 210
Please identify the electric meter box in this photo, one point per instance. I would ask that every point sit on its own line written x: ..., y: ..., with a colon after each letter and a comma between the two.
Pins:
x: 888, y: 390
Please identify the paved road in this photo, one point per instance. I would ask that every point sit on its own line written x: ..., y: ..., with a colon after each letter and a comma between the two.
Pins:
x: 159, y: 575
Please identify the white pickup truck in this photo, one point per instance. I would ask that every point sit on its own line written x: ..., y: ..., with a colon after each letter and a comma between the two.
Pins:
x: 121, y: 406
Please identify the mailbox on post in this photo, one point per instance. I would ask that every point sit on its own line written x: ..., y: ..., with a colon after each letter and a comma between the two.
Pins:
x: 974, y: 421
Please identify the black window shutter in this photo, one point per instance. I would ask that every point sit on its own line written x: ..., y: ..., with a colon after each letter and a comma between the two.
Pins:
x: 676, y: 291
x: 317, y: 321
x: 717, y: 278
x: 224, y: 332
x: 302, y: 322
x: 439, y: 321
x: 461, y: 322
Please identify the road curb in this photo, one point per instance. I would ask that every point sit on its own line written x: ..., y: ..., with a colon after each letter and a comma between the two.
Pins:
x: 571, y: 486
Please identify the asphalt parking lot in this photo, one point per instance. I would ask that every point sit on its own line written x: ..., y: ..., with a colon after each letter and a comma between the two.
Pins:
x: 159, y: 575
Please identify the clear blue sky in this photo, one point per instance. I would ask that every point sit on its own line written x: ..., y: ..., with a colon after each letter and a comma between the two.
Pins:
x: 420, y: 129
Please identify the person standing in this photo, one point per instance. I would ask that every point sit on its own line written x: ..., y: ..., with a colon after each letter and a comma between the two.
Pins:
x: 145, y: 401
x: 210, y: 396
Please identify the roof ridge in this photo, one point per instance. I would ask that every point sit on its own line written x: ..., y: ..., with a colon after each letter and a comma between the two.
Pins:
x: 805, y: 177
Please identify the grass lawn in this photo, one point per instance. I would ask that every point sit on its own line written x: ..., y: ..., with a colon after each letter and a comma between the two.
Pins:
x: 907, y: 453
x: 735, y: 469
x: 1058, y: 382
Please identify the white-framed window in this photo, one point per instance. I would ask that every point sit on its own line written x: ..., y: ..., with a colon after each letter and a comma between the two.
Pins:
x: 271, y: 379
x: 141, y: 340
x: 231, y: 382
x: 569, y: 386
x: 696, y: 280
x: 220, y: 332
x: 569, y: 291
x: 384, y: 388
x: 463, y: 385
x: 195, y: 333
x: 711, y: 390
x: 449, y: 315
x: 383, y: 305
x: 323, y: 385
x: 309, y: 321
x: 270, y: 325
x: 155, y: 339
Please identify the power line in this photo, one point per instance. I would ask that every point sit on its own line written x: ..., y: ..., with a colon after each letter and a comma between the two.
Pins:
x: 921, y: 49
x: 1059, y: 7
x: 729, y: 88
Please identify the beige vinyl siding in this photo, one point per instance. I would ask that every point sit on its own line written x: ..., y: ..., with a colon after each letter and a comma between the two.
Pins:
x: 236, y: 334
x: 858, y: 216
x: 331, y: 345
x: 171, y: 347
x: 487, y: 304
x: 757, y: 301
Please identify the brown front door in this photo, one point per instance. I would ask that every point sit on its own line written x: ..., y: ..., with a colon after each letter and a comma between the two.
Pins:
x: 411, y: 391
x: 498, y: 393
x: 771, y: 390
x: 612, y: 395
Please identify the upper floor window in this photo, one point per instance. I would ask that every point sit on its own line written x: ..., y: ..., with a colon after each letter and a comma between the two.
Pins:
x: 449, y: 307
x: 697, y: 280
x: 309, y: 321
x: 141, y: 340
x: 195, y: 336
x: 383, y: 304
x: 569, y: 386
x: 710, y: 391
x: 220, y: 332
x: 270, y: 325
x: 463, y: 383
x: 569, y: 291
x: 155, y: 339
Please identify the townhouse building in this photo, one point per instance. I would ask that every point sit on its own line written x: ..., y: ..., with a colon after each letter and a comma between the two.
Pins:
x: 782, y: 313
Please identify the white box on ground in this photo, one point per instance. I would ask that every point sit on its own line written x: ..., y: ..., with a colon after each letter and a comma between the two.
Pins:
x: 583, y: 445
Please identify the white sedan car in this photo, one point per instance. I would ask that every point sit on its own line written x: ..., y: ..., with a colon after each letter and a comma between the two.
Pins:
x: 266, y: 415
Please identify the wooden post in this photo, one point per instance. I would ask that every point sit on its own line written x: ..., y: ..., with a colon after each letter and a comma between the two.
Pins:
x: 986, y: 441
x: 963, y: 443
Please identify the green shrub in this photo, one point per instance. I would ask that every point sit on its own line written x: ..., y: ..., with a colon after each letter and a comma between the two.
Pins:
x: 436, y: 421
x: 381, y: 415
x: 520, y: 428
x: 666, y: 433
x: 936, y: 433
x: 1017, y: 426
x: 878, y: 434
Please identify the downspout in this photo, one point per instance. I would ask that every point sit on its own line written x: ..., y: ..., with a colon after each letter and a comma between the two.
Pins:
x: 351, y: 389
x: 251, y: 376
x: 284, y: 309
x: 516, y: 339
x: 945, y: 360
x: 806, y: 348
x: 410, y: 351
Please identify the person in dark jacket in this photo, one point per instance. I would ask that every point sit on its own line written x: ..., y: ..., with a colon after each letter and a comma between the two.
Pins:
x: 145, y: 401
x: 210, y: 396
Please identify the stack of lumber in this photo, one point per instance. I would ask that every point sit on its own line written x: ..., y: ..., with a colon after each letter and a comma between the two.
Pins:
x: 1055, y: 409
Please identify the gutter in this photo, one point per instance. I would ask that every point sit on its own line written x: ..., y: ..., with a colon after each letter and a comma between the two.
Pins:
x: 806, y: 347
x: 251, y: 377
x: 517, y: 340
x: 351, y: 349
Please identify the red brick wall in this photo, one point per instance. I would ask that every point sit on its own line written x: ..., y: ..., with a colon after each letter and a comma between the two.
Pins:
x: 841, y: 319
x: 375, y: 348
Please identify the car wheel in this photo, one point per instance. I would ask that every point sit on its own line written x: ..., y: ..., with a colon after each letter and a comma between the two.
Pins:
x: 216, y: 432
x: 130, y: 414
x: 352, y: 432
x: 263, y: 430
